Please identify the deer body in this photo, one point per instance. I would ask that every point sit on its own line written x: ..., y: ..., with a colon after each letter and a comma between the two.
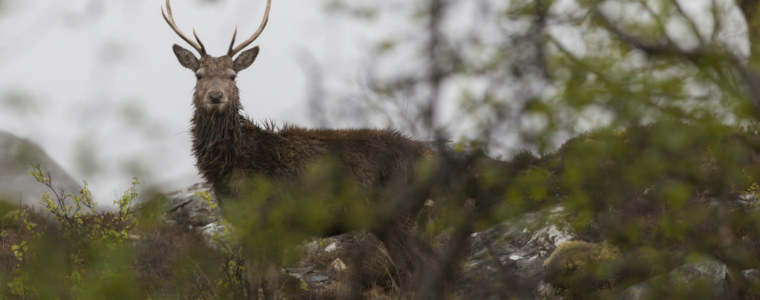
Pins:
x: 228, y: 146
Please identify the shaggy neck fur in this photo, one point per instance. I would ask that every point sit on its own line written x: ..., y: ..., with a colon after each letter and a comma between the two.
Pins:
x: 217, y: 138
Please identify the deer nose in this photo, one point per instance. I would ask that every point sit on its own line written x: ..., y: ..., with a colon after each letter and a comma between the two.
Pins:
x: 215, y: 97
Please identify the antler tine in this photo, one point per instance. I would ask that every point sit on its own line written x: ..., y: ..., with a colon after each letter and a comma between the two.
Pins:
x: 255, y: 35
x: 232, y: 44
x: 173, y: 25
x: 203, y: 48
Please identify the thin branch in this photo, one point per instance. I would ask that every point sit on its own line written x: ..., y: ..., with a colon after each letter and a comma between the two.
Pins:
x: 717, y: 24
x: 666, y: 48
x: 662, y: 47
x: 658, y: 19
x: 691, y: 23
x: 750, y: 78
x: 577, y: 61
x: 210, y: 283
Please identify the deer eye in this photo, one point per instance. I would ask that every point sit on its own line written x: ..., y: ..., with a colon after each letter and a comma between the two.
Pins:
x: 198, y: 76
x: 233, y: 77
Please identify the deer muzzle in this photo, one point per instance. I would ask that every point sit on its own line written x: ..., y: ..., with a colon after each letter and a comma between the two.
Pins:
x: 215, y: 97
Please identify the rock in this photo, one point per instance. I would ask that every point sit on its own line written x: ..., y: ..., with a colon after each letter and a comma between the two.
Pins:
x: 515, y: 251
x: 214, y: 228
x: 338, y: 266
x: 547, y: 292
x: 298, y: 272
x: 750, y: 197
x: 639, y: 291
x: 219, y: 232
x: 751, y: 275
x: 186, y: 208
x: 331, y: 247
x: 712, y: 271
x: 705, y: 271
x: 310, y: 247
x: 16, y: 184
x: 314, y: 278
x: 573, y: 262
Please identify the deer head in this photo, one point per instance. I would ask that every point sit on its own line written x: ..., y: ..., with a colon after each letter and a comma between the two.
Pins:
x: 215, y: 88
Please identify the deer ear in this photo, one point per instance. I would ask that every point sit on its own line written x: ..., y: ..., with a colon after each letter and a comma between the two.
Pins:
x: 186, y: 58
x: 245, y: 59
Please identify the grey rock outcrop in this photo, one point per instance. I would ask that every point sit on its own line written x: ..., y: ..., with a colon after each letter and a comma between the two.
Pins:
x: 185, y: 207
x: 16, y: 184
x: 706, y: 271
x: 751, y: 275
x: 515, y: 252
x: 509, y: 259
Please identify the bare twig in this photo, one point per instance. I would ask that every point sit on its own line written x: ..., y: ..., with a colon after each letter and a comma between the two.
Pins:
x: 717, y: 22
x: 211, y: 283
x: 690, y: 22
x: 667, y: 48
x: 658, y: 19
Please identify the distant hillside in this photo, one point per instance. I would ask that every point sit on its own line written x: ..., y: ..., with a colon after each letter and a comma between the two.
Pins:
x: 16, y: 184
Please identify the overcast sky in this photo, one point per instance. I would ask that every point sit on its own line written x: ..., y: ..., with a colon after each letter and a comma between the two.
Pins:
x: 96, y: 83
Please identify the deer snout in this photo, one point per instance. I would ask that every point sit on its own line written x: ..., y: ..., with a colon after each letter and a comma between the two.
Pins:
x: 215, y: 97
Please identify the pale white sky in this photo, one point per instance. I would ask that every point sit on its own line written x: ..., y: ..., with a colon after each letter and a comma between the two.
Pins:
x: 108, y: 99
x: 107, y: 90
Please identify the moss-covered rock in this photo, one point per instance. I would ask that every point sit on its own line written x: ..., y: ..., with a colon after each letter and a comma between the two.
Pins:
x: 576, y: 268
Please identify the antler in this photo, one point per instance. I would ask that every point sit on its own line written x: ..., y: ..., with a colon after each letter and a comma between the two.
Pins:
x: 170, y: 20
x: 255, y: 35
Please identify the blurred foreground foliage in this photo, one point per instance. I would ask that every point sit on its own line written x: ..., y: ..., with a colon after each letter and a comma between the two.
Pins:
x: 641, y: 121
x: 84, y: 253
x: 668, y: 172
x: 640, y: 202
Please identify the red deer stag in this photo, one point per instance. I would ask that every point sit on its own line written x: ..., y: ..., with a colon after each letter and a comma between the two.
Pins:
x: 227, y: 144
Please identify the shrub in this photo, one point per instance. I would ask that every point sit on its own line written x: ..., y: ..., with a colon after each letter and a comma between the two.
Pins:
x: 85, y: 248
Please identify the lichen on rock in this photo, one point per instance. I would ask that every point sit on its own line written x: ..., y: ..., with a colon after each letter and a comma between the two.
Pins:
x: 576, y: 262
